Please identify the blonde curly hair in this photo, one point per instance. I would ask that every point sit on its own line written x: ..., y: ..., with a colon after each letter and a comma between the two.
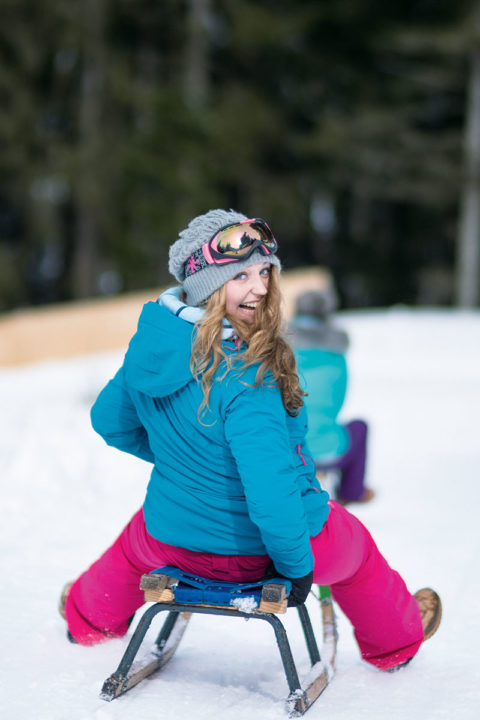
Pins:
x: 263, y: 341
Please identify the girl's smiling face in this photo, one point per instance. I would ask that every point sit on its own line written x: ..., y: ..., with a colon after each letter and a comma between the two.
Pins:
x: 245, y: 290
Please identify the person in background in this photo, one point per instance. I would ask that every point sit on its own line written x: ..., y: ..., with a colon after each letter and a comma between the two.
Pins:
x: 320, y: 349
x: 208, y: 395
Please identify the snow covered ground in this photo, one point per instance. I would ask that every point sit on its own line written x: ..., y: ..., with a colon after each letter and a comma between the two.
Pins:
x: 415, y: 375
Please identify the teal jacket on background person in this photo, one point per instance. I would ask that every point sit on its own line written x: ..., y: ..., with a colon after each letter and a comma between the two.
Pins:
x: 237, y: 483
x: 323, y: 375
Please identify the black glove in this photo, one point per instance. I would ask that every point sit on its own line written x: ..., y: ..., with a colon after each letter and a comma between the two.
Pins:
x: 300, y: 589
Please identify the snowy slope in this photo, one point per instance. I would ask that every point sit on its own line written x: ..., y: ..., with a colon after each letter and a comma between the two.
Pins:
x: 414, y: 375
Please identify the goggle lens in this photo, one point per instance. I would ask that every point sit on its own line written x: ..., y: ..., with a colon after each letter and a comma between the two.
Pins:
x: 237, y: 240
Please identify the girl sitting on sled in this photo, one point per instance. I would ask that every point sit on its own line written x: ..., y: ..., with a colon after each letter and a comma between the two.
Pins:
x: 209, y: 395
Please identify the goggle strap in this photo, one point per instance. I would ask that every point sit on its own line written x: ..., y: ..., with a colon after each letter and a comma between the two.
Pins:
x: 197, y: 261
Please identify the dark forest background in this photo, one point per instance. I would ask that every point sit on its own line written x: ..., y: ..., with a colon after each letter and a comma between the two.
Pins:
x: 343, y: 124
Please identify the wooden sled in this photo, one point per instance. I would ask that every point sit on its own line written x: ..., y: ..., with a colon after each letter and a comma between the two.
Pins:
x: 181, y: 595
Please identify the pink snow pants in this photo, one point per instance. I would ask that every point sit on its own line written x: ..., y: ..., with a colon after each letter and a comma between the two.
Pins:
x: 384, y: 615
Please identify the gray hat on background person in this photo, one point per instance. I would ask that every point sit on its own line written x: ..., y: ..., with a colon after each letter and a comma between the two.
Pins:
x: 318, y: 303
x: 311, y: 326
x: 201, y: 284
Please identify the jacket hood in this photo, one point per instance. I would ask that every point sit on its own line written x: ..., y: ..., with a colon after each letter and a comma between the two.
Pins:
x: 157, y: 362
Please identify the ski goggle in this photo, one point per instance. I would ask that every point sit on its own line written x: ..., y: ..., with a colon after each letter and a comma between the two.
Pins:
x: 233, y: 243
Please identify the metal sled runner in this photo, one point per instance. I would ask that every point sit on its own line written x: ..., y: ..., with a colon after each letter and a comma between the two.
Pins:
x: 181, y: 595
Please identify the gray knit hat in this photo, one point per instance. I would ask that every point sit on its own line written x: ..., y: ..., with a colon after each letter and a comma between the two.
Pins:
x: 204, y: 282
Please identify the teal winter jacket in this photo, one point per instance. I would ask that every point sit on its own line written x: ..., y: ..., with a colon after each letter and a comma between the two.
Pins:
x: 323, y: 375
x: 239, y: 481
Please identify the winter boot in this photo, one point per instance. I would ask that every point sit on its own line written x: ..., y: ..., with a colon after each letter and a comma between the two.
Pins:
x: 430, y: 607
x: 63, y: 598
x: 61, y: 607
x: 367, y: 495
